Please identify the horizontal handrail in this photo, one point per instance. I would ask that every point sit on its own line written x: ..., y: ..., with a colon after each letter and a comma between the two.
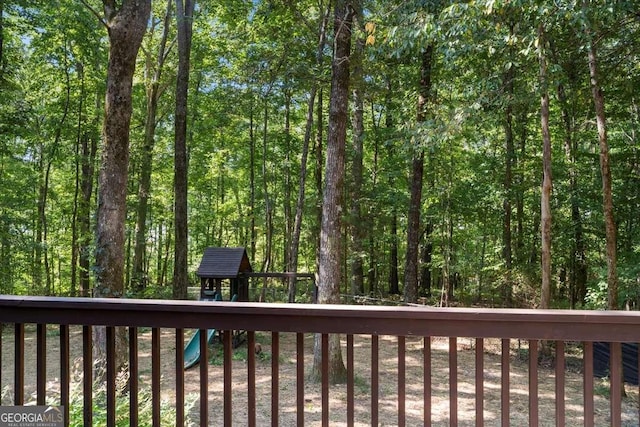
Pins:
x: 574, y: 325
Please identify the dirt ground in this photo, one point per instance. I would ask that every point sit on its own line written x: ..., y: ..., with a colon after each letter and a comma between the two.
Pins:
x: 337, y: 406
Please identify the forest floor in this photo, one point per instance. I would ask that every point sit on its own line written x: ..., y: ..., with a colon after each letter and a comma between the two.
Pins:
x: 313, y: 404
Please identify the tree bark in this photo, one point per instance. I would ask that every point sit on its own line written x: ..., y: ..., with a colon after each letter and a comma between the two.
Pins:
x: 184, y: 14
x: 332, y: 204
x: 413, y: 226
x: 126, y: 26
x: 545, y: 201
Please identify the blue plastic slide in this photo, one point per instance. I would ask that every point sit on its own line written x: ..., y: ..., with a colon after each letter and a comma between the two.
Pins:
x: 192, y: 350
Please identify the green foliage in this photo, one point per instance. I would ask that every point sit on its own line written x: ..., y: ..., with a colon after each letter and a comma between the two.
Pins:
x: 145, y: 408
x: 252, y: 58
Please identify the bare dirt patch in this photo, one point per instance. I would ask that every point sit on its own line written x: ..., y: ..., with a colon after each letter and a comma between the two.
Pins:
x: 388, y: 392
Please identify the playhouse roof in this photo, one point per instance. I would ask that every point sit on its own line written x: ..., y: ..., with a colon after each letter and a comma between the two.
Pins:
x: 223, y: 263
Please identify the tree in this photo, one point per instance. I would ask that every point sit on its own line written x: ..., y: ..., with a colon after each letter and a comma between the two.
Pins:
x: 297, y: 225
x: 605, y: 169
x: 153, y: 72
x: 508, y: 78
x: 545, y: 200
x: 329, y: 274
x: 184, y: 14
x: 417, y: 171
x: 126, y: 24
x: 356, y: 221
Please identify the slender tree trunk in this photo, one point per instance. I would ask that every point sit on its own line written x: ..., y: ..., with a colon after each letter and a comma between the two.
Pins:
x: 394, y: 280
x: 330, y: 234
x: 288, y: 217
x: 297, y: 222
x: 519, y: 194
x: 545, y: 202
x: 425, y: 268
x: 184, y: 14
x: 252, y: 183
x: 89, y: 149
x: 38, y: 244
x: 413, y: 226
x: 507, y: 238
x: 266, y: 262
x: 44, y: 185
x: 356, y: 221
x: 76, y: 193
x: 152, y: 73
x: 605, y: 170
x: 577, y: 259
x: 319, y: 153
x: 297, y: 226
x: 372, y: 271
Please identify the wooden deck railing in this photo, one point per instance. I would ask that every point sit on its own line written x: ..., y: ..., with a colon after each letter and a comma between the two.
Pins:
x: 359, y: 325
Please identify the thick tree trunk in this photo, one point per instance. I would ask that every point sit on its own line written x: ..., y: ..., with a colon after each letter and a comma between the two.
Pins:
x: 330, y: 234
x: 126, y: 27
x: 153, y: 72
x: 184, y: 14
x: 413, y: 226
x: 545, y: 201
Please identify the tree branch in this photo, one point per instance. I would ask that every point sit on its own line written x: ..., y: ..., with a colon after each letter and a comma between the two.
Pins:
x: 95, y: 13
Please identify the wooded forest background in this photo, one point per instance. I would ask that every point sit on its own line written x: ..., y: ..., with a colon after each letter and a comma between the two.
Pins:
x: 444, y: 196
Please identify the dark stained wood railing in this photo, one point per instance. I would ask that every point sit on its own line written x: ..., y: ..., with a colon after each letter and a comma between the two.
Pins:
x: 358, y: 323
